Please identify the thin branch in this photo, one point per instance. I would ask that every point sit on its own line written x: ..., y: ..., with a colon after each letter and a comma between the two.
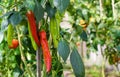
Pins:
x: 101, y: 8
x: 113, y: 9
x: 82, y: 49
x: 38, y: 55
x: 38, y: 58
x: 22, y: 54
x: 103, y: 62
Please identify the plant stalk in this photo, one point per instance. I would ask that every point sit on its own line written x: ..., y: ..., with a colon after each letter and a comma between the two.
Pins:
x: 103, y: 62
x: 82, y: 49
x: 22, y: 54
x: 38, y: 55
x: 101, y: 9
x: 113, y: 9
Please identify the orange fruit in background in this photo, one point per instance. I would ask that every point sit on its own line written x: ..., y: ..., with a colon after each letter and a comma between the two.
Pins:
x: 14, y: 44
x: 82, y: 21
x: 78, y: 43
x: 83, y: 24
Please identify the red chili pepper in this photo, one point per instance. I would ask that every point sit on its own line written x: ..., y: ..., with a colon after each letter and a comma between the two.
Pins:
x: 46, y: 50
x: 14, y: 44
x: 33, y: 27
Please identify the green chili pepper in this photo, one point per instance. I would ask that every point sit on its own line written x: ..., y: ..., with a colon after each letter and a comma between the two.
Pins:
x: 54, y: 31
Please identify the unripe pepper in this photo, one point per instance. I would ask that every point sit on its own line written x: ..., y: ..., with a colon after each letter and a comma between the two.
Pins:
x: 54, y: 31
x: 33, y: 27
x: 10, y: 34
x: 46, y: 50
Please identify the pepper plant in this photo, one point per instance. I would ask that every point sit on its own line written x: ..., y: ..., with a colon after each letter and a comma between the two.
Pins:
x: 43, y: 46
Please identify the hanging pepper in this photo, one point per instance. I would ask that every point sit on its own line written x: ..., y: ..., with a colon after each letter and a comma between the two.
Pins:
x: 46, y: 50
x: 54, y: 31
x: 32, y: 39
x: 33, y: 27
x: 10, y: 34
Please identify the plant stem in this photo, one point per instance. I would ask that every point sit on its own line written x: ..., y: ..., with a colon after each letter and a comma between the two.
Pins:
x: 103, y: 65
x: 117, y: 68
x: 113, y: 9
x: 82, y: 49
x: 22, y: 54
x: 38, y: 55
x: 16, y: 3
x: 103, y: 62
x: 101, y: 8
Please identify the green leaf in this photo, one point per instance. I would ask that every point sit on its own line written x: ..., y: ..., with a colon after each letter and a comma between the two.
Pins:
x: 118, y: 47
x: 38, y: 11
x: 101, y: 25
x: 77, y: 1
x: 51, y: 3
x: 79, y: 12
x: 1, y: 57
x: 43, y: 2
x: 4, y: 24
x: 63, y: 49
x: 85, y: 14
x: 1, y: 36
x: 61, y: 5
x: 115, y: 31
x: 83, y: 36
x: 15, y: 18
x: 29, y: 4
x: 7, y: 14
x: 50, y: 11
x: 77, y: 64
x: 78, y: 29
x: 17, y: 72
x: 18, y: 58
x: 95, y: 44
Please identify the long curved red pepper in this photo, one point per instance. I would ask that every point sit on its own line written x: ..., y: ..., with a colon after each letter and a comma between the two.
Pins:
x: 46, y: 50
x: 33, y: 27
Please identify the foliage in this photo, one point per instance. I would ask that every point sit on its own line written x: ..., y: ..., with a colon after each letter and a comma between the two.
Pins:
x: 103, y: 25
x: 90, y: 22
x: 48, y: 14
